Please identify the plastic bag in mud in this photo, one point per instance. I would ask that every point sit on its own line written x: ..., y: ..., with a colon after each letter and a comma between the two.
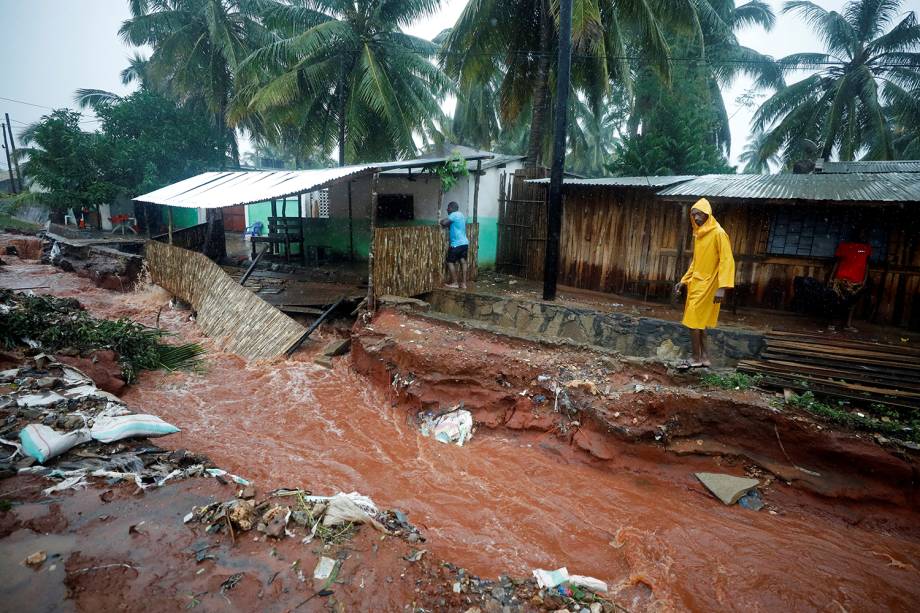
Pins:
x: 44, y: 443
x: 354, y: 508
x: 453, y: 427
x: 110, y: 429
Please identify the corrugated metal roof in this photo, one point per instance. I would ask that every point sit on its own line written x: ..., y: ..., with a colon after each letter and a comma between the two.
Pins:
x: 651, y: 181
x: 854, y: 187
x: 871, y: 167
x: 214, y: 190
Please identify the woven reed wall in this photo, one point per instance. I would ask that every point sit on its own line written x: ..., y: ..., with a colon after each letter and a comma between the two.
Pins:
x: 241, y: 321
x: 410, y: 260
x: 192, y: 238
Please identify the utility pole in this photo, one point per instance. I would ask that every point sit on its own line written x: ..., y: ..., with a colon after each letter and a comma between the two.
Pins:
x: 9, y: 126
x: 9, y: 166
x: 554, y: 204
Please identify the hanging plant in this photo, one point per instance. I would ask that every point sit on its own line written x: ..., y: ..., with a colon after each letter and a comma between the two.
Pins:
x: 451, y: 170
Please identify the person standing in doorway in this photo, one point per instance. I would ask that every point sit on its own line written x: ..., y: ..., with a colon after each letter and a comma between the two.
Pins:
x: 711, y: 273
x: 848, y: 278
x: 459, y: 245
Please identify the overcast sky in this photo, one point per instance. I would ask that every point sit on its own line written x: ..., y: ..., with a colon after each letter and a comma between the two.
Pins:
x: 53, y: 47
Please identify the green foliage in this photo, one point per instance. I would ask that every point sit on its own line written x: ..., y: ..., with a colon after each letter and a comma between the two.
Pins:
x: 67, y: 162
x: 876, y: 418
x: 356, y: 79
x: 144, y: 141
x: 451, y: 170
x: 680, y: 129
x: 733, y: 381
x: 865, y: 106
x: 152, y: 141
x: 57, y: 323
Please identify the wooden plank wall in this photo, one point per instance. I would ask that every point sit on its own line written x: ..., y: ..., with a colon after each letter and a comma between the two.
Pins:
x: 628, y: 241
x: 521, y: 224
x: 242, y: 322
x: 410, y: 260
x: 192, y: 238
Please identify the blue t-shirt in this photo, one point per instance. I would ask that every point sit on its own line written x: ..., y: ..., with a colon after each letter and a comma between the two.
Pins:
x: 457, y: 229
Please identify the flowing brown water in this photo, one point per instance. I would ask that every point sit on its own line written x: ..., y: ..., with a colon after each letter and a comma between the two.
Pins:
x: 511, y: 502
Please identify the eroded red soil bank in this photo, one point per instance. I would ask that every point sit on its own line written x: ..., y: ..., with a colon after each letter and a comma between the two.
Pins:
x: 519, y: 496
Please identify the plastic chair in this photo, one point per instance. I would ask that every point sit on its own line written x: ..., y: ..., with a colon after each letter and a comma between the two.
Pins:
x: 254, y: 230
x: 70, y: 218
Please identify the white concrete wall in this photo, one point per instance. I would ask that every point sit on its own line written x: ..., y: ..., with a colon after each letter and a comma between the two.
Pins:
x: 424, y: 189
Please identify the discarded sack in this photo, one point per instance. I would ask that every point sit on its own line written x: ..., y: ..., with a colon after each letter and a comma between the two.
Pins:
x: 44, y: 443
x: 345, y: 508
x: 453, y: 427
x: 548, y: 579
x: 110, y: 429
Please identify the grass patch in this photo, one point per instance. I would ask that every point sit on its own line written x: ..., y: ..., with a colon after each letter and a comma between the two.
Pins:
x: 8, y: 221
x: 733, y: 381
x: 58, y: 323
x: 877, y: 418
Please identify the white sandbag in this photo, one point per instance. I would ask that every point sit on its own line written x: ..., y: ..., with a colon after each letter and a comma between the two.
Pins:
x: 589, y: 583
x: 111, y: 429
x: 343, y: 508
x: 551, y: 578
x: 44, y: 443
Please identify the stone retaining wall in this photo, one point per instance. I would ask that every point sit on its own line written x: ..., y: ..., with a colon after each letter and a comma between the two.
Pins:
x: 626, y: 334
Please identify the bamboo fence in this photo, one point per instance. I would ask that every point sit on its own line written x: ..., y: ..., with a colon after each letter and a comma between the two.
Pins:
x: 410, y: 260
x: 242, y: 322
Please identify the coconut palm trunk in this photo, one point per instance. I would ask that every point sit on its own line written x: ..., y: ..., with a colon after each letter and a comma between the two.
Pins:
x: 538, y: 123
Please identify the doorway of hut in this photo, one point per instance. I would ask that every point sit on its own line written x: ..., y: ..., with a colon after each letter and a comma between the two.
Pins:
x: 235, y: 219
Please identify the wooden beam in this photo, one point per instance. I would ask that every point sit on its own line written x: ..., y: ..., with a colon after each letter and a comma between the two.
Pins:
x: 169, y: 221
x: 372, y: 214
x: 476, y: 191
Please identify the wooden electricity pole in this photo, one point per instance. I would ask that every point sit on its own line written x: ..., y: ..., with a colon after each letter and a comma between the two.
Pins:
x: 9, y: 126
x: 554, y: 204
x: 9, y: 165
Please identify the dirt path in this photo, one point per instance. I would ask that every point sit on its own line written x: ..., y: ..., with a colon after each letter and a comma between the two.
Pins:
x: 510, y: 501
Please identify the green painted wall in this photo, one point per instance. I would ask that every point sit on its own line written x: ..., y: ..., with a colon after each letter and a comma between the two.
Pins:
x: 488, y: 241
x: 332, y: 234
x: 261, y: 211
x: 182, y: 217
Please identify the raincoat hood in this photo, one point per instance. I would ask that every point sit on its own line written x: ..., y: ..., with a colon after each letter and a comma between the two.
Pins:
x: 703, y: 205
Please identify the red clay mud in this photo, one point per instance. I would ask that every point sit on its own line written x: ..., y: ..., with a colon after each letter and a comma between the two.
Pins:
x: 517, y: 497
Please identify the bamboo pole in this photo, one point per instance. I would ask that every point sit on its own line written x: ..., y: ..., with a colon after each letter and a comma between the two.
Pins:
x: 169, y: 223
x: 476, y: 191
x: 372, y: 214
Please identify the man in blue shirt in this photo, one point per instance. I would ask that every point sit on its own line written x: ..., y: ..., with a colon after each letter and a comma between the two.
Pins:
x: 459, y: 245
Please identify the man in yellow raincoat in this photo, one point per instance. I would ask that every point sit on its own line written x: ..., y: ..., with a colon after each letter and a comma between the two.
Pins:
x: 711, y: 272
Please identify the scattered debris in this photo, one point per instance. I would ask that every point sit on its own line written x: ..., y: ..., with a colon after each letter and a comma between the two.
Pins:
x: 727, y: 488
x: 36, y: 559
x: 337, y: 347
x: 454, y: 426
x: 324, y: 568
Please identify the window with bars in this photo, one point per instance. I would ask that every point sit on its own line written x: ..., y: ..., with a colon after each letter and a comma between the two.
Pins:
x: 817, y: 232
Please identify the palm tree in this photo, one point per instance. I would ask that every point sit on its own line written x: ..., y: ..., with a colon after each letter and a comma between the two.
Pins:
x: 842, y: 107
x: 363, y: 83
x: 198, y: 47
x: 592, y: 134
x: 514, y: 42
x: 721, y: 59
x: 754, y: 163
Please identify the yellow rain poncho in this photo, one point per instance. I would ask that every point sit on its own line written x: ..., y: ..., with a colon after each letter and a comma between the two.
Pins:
x: 712, y: 267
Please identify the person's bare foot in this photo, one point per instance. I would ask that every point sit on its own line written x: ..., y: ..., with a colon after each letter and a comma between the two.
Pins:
x: 705, y: 363
x: 463, y: 286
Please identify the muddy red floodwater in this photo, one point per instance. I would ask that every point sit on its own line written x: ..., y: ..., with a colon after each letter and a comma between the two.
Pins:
x: 511, y: 502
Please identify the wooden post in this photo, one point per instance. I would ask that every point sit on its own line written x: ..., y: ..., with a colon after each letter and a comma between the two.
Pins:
x: 554, y: 203
x: 276, y: 249
x: 371, y: 300
x: 681, y: 265
x: 351, y: 227
x: 476, y: 191
x: 169, y: 223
